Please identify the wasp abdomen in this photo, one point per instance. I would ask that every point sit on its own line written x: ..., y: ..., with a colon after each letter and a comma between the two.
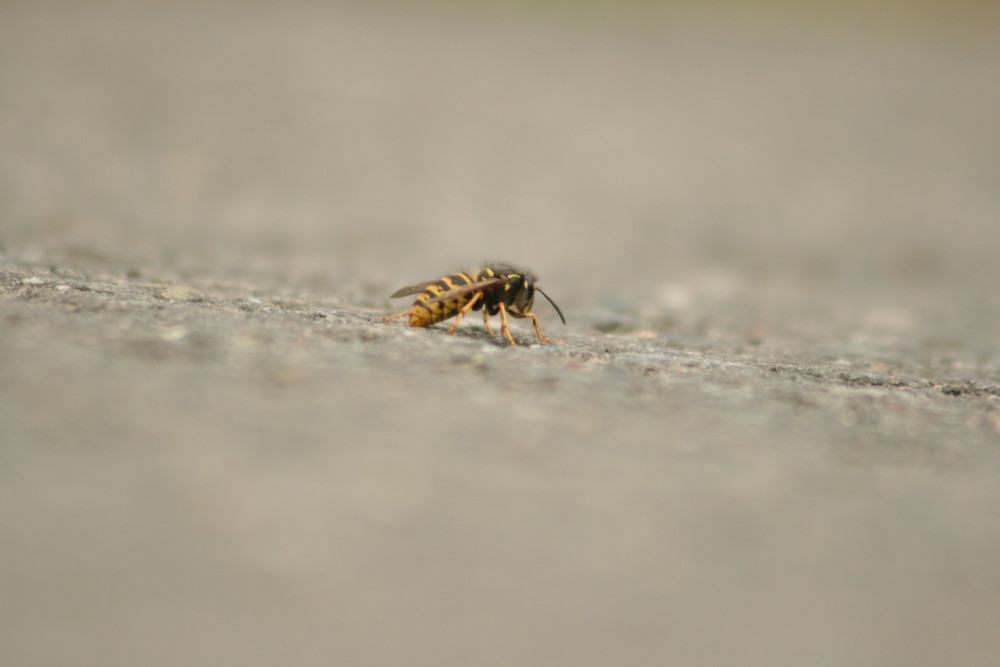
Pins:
x: 423, y: 314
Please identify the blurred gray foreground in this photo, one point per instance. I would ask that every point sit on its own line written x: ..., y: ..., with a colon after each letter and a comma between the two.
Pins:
x: 770, y: 434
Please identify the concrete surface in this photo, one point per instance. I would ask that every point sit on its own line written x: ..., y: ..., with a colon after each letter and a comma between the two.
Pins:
x: 769, y: 435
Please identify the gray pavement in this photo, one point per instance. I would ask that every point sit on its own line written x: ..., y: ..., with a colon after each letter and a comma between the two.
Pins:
x: 769, y: 434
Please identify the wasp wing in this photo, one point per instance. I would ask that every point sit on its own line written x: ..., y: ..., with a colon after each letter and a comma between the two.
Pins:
x: 411, y: 289
x: 459, y: 292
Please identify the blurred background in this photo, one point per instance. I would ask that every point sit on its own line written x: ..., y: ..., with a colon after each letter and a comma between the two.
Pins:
x: 791, y: 210
x: 754, y: 165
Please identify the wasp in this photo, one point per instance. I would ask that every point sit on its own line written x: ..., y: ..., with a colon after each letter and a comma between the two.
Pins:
x: 496, y: 288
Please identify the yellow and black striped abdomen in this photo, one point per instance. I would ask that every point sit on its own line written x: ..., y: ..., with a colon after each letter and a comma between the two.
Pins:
x: 422, y: 314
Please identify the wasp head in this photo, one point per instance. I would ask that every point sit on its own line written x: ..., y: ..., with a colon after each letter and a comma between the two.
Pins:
x: 518, y: 289
x: 523, y: 289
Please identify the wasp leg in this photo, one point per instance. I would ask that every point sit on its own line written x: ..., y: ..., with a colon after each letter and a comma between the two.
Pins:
x: 486, y: 322
x: 504, y: 331
x: 392, y: 317
x: 534, y: 320
x: 475, y: 297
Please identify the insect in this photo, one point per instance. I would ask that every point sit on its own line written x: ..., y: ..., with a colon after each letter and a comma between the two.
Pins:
x: 496, y: 288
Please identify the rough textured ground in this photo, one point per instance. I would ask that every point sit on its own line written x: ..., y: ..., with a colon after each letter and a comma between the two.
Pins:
x: 769, y: 435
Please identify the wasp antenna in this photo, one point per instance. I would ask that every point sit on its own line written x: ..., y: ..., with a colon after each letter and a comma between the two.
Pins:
x: 553, y: 305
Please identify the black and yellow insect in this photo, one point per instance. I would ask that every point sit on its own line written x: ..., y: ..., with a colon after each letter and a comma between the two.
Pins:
x: 496, y: 288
